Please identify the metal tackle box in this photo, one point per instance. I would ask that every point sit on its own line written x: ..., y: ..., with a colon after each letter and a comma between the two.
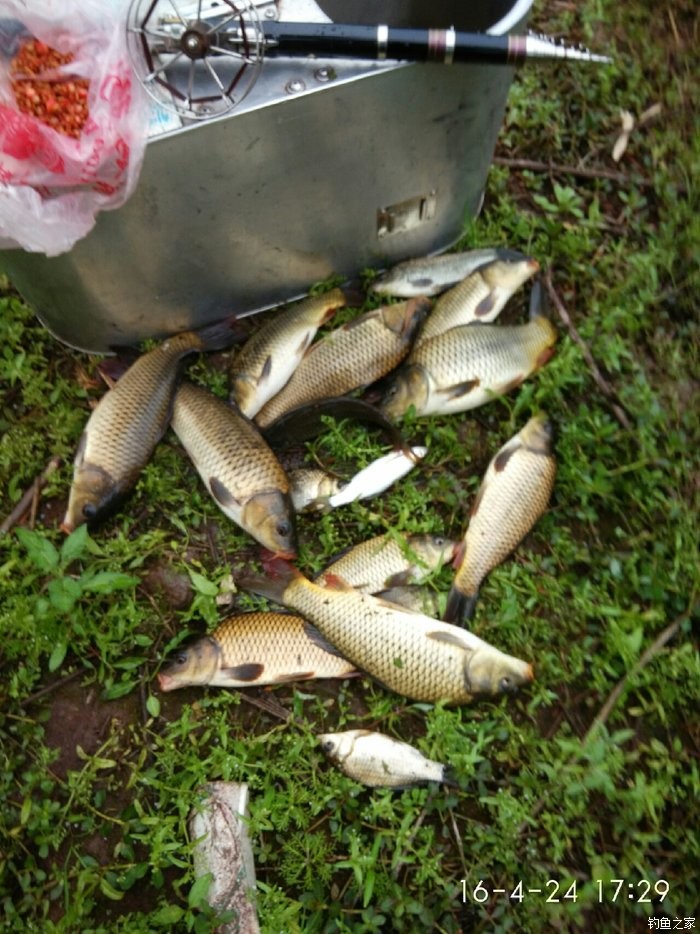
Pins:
x: 326, y: 166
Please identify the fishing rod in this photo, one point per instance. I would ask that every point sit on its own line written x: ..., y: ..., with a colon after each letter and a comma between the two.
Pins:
x: 379, y: 43
x: 161, y: 37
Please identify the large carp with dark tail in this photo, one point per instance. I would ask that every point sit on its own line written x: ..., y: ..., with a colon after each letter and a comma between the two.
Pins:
x: 253, y: 649
x: 513, y: 495
x: 479, y: 298
x: 350, y: 357
x: 416, y: 656
x: 129, y: 421
x: 237, y: 466
x: 468, y: 365
x: 267, y: 361
x: 385, y: 561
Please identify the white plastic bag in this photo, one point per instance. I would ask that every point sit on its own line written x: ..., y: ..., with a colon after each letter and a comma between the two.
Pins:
x: 52, y: 185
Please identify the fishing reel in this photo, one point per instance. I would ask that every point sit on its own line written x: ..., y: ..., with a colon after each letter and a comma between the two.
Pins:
x: 199, y: 59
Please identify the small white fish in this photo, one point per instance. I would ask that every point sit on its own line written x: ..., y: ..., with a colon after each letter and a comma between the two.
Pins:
x: 431, y: 275
x: 377, y: 476
x: 379, y: 761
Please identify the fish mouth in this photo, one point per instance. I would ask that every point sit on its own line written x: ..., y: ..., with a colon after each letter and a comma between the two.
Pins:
x: 529, y: 673
x: 284, y: 555
x: 165, y: 682
x: 67, y: 526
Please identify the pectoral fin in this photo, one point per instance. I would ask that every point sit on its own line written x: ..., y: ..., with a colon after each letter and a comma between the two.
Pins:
x: 400, y: 579
x: 314, y: 636
x: 222, y: 494
x: 459, y: 389
x: 448, y: 638
x: 250, y: 671
x: 485, y: 306
x: 266, y: 370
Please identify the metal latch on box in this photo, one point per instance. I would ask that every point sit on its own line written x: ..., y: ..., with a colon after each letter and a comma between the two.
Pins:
x: 405, y: 215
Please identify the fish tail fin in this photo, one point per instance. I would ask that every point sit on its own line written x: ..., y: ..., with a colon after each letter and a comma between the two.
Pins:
x: 449, y: 777
x: 460, y: 607
x: 279, y: 573
x: 220, y: 334
x: 539, y: 305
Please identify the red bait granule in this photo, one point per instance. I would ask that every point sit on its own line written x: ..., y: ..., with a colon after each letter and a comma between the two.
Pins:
x: 59, y: 103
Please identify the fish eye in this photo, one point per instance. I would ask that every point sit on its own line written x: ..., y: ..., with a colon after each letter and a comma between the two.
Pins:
x: 181, y: 658
x: 327, y: 745
x: 284, y: 529
x: 89, y: 510
x: 440, y: 540
x: 506, y: 684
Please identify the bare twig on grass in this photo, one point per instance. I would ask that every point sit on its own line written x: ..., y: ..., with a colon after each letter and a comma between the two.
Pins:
x: 269, y: 705
x: 53, y: 687
x: 553, y: 169
x: 30, y: 500
x: 458, y: 841
x: 598, y: 377
x: 664, y: 636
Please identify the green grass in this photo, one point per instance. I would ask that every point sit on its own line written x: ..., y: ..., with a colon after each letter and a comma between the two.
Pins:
x: 98, y: 771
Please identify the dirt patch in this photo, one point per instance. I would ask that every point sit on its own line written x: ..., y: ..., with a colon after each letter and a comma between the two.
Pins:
x: 79, y: 718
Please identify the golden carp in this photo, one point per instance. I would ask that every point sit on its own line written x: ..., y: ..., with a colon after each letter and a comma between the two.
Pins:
x: 129, y: 421
x: 513, y: 495
x: 238, y: 468
x: 252, y: 649
x: 350, y: 357
x: 431, y: 275
x: 416, y: 656
x: 468, y: 365
x: 480, y: 297
x: 266, y: 361
x: 385, y: 561
x: 379, y: 761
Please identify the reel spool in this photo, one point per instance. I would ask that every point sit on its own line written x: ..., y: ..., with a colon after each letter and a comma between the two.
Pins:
x: 198, y: 60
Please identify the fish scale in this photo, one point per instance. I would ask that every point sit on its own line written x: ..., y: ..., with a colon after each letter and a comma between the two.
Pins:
x: 466, y: 366
x: 513, y: 495
x: 255, y: 648
x: 349, y: 357
x: 237, y: 466
x: 414, y: 655
x: 383, y: 561
x: 266, y: 361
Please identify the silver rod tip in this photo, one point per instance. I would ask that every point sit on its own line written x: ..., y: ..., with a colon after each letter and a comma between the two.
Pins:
x: 537, y: 46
